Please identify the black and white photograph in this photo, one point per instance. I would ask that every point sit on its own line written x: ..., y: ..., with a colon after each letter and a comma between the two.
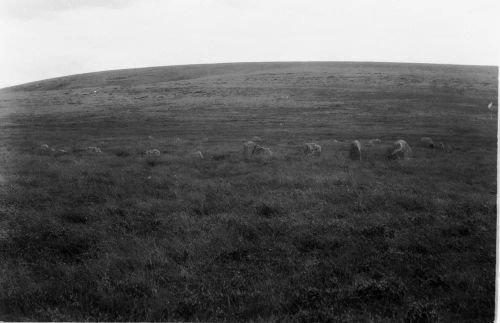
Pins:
x: 249, y: 161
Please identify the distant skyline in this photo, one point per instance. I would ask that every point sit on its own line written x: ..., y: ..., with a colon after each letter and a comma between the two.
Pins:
x: 42, y: 39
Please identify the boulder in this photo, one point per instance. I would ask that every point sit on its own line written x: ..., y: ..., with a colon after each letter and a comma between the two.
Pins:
x: 400, y: 150
x: 355, y: 151
x: 312, y: 149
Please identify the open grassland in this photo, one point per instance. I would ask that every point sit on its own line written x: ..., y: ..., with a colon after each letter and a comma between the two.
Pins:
x: 109, y: 236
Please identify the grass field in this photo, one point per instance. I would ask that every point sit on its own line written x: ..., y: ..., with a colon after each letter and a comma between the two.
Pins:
x: 88, y: 236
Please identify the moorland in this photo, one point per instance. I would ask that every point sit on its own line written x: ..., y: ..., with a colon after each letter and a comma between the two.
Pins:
x: 112, y: 236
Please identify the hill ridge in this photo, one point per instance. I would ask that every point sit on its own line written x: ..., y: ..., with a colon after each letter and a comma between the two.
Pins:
x: 171, y: 73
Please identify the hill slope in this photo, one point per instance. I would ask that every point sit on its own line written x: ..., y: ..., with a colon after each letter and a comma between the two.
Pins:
x: 317, y: 96
x: 152, y: 75
x: 117, y: 236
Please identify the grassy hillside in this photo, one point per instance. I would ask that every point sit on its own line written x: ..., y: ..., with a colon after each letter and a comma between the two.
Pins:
x: 111, y: 236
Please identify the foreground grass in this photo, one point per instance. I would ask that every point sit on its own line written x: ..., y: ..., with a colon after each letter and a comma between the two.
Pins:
x: 294, y: 238
x: 111, y: 237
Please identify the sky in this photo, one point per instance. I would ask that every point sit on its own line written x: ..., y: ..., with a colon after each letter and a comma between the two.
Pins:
x: 41, y: 39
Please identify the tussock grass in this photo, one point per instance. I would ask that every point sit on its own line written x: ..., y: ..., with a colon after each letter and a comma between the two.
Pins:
x: 113, y: 237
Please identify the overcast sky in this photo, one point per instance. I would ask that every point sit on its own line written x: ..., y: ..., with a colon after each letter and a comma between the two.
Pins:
x: 47, y: 38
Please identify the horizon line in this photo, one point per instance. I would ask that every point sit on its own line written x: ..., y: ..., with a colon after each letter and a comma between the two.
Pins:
x: 239, y: 62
